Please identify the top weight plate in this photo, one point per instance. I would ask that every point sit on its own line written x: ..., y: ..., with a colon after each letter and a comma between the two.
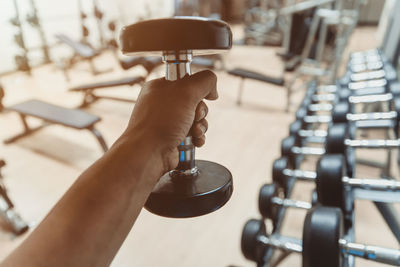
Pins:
x: 200, y: 35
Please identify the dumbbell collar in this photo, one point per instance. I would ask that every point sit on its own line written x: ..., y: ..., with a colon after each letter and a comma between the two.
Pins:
x: 177, y: 63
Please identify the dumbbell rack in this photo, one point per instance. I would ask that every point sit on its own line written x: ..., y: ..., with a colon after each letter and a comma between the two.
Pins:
x: 386, y: 209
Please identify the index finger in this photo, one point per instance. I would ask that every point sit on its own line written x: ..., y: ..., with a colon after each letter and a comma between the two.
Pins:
x: 205, y: 85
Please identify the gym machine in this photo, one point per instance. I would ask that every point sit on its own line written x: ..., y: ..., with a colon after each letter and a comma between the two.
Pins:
x: 7, y: 210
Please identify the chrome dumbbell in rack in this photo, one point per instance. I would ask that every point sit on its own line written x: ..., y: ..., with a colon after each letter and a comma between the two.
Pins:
x: 271, y: 200
x: 325, y: 242
x: 335, y: 188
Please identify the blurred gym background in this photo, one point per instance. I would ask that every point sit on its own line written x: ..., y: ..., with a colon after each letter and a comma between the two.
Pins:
x: 44, y: 50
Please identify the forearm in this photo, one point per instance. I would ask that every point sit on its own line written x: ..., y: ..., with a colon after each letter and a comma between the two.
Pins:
x: 90, y: 222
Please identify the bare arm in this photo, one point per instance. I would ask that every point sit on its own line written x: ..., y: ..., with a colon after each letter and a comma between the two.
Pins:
x: 88, y: 225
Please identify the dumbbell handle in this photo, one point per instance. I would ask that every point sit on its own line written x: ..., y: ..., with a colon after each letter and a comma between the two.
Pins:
x: 317, y: 119
x: 294, y: 246
x: 372, y: 116
x: 367, y: 84
x: 311, y: 151
x: 369, y: 75
x: 311, y: 119
x: 178, y: 66
x: 290, y: 203
x: 370, y: 98
x: 323, y: 97
x: 374, y: 253
x: 372, y: 184
x: 367, y: 66
x: 377, y: 143
x: 320, y: 107
x: 354, y: 99
x: 300, y: 174
x: 330, y: 88
x: 312, y: 133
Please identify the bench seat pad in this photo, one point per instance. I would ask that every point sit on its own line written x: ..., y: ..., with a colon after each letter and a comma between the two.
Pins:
x: 73, y: 118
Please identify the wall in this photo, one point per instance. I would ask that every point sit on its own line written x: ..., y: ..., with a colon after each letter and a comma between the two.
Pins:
x: 63, y: 17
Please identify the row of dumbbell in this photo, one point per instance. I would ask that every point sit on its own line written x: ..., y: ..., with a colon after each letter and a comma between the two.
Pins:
x: 329, y: 191
x: 324, y: 242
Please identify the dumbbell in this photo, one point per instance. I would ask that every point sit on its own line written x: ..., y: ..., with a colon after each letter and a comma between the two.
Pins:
x: 382, y: 91
x: 324, y: 242
x: 387, y: 72
x: 342, y: 112
x: 332, y: 181
x: 364, y: 94
x: 339, y: 139
x: 195, y: 187
x: 270, y: 202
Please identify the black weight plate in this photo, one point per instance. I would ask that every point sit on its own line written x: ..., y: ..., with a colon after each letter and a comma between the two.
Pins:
x: 330, y: 188
x: 343, y: 94
x: 301, y: 113
x: 394, y: 88
x: 265, y: 206
x: 323, y: 227
x: 295, y: 127
x: 251, y: 248
x: 340, y: 111
x: 200, y: 35
x: 337, y: 133
x: 183, y: 197
x: 277, y: 171
x: 286, y: 146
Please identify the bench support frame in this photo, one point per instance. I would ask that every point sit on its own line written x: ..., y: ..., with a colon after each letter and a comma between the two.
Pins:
x: 28, y: 131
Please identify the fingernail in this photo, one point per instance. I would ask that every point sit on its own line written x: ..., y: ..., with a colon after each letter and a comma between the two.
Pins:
x: 203, y: 113
x: 202, y: 128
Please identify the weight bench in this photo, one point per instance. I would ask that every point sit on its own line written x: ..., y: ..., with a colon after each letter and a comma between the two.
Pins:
x: 81, y: 50
x: 149, y: 63
x: 247, y: 74
x: 88, y: 89
x: 52, y: 114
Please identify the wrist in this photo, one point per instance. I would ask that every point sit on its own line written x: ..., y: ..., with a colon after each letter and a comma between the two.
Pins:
x: 139, y: 147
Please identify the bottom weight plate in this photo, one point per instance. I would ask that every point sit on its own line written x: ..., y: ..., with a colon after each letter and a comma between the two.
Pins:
x: 191, y: 196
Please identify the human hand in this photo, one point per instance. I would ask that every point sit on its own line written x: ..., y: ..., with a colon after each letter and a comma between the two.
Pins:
x: 167, y: 111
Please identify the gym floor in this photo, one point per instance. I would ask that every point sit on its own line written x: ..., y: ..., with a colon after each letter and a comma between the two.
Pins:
x: 245, y: 139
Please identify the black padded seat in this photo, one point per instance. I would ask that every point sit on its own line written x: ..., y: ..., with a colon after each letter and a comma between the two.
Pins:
x: 121, y: 82
x: 156, y: 36
x: 247, y: 74
x: 81, y: 49
x: 73, y: 118
x: 203, y: 62
x: 53, y: 114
